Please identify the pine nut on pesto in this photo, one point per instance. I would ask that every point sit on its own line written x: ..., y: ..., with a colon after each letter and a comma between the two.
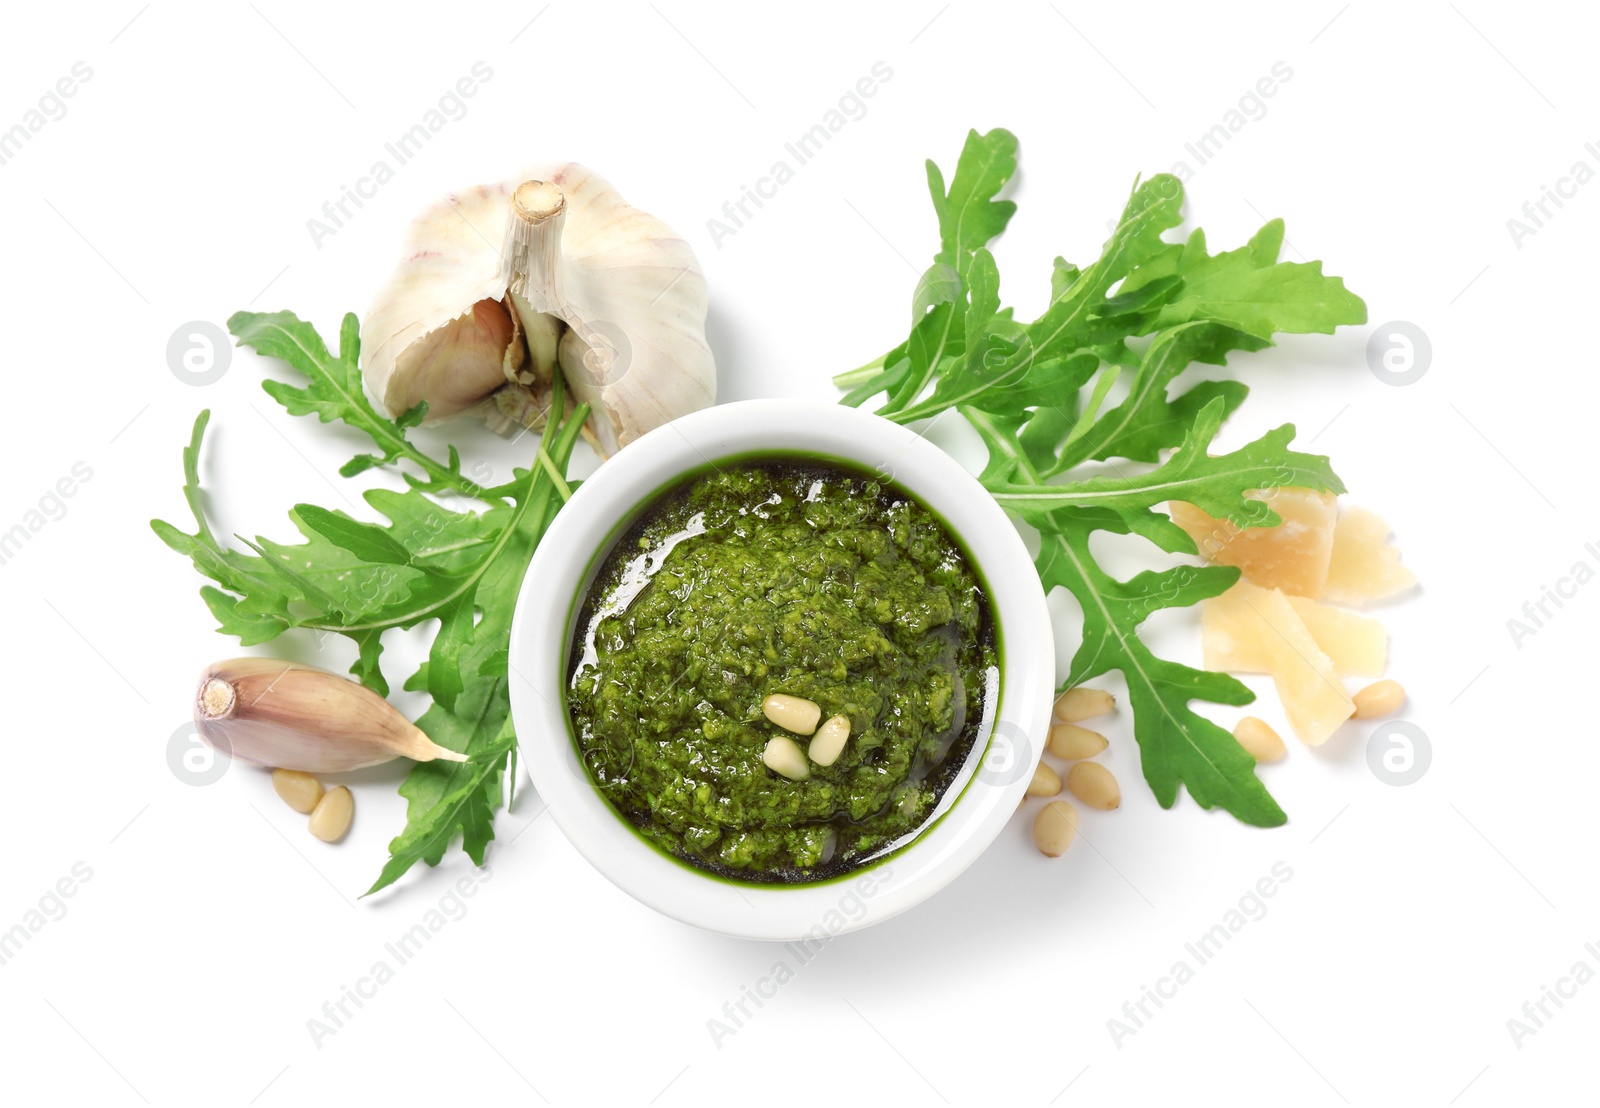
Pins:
x: 792, y: 575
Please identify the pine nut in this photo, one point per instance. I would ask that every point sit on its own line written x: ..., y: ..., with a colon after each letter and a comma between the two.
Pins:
x: 1093, y: 784
x: 330, y: 819
x: 783, y: 755
x: 792, y: 713
x: 1070, y: 742
x: 1381, y: 698
x: 1083, y: 703
x: 1046, y: 781
x: 828, y: 743
x: 1055, y: 827
x: 300, y: 791
x: 1259, y: 740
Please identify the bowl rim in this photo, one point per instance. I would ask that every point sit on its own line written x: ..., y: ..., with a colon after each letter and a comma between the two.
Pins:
x: 975, y: 806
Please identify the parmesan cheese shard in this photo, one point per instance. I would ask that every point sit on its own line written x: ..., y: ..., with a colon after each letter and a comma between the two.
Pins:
x: 1357, y: 645
x: 1292, y: 556
x: 1259, y: 623
x: 1364, y: 567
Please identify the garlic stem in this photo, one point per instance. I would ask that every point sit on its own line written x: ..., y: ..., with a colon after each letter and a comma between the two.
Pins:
x: 535, y: 276
x: 533, y: 247
x: 216, y: 697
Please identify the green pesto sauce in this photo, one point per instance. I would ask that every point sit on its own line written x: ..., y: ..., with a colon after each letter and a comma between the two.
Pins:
x: 781, y: 575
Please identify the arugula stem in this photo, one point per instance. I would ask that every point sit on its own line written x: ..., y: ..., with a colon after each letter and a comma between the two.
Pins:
x: 878, y: 382
x: 861, y: 374
x: 555, y: 474
x: 1141, y: 490
x: 558, y: 403
x: 931, y: 408
x: 511, y: 778
x: 191, y: 480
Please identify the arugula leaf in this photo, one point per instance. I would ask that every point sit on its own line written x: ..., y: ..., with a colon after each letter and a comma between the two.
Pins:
x: 1248, y: 288
x: 969, y: 214
x: 1056, y: 352
x: 360, y: 579
x: 334, y: 391
x: 969, y: 217
x: 1176, y: 744
x: 362, y: 539
x: 1216, y: 483
x: 1036, y: 392
x: 456, y: 801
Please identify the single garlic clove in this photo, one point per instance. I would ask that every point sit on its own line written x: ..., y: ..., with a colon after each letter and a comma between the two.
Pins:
x: 296, y: 717
x: 605, y: 292
x: 452, y: 367
x: 541, y: 336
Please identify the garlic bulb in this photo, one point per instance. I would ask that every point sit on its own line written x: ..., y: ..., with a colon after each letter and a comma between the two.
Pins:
x: 289, y: 716
x: 504, y: 285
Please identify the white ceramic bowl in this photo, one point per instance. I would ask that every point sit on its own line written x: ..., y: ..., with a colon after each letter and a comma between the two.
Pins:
x: 977, y: 804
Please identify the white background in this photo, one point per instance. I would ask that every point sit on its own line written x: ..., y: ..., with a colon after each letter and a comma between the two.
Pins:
x: 1418, y: 919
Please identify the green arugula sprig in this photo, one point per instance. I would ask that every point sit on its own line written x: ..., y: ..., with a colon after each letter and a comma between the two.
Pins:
x: 361, y: 579
x: 1142, y: 313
